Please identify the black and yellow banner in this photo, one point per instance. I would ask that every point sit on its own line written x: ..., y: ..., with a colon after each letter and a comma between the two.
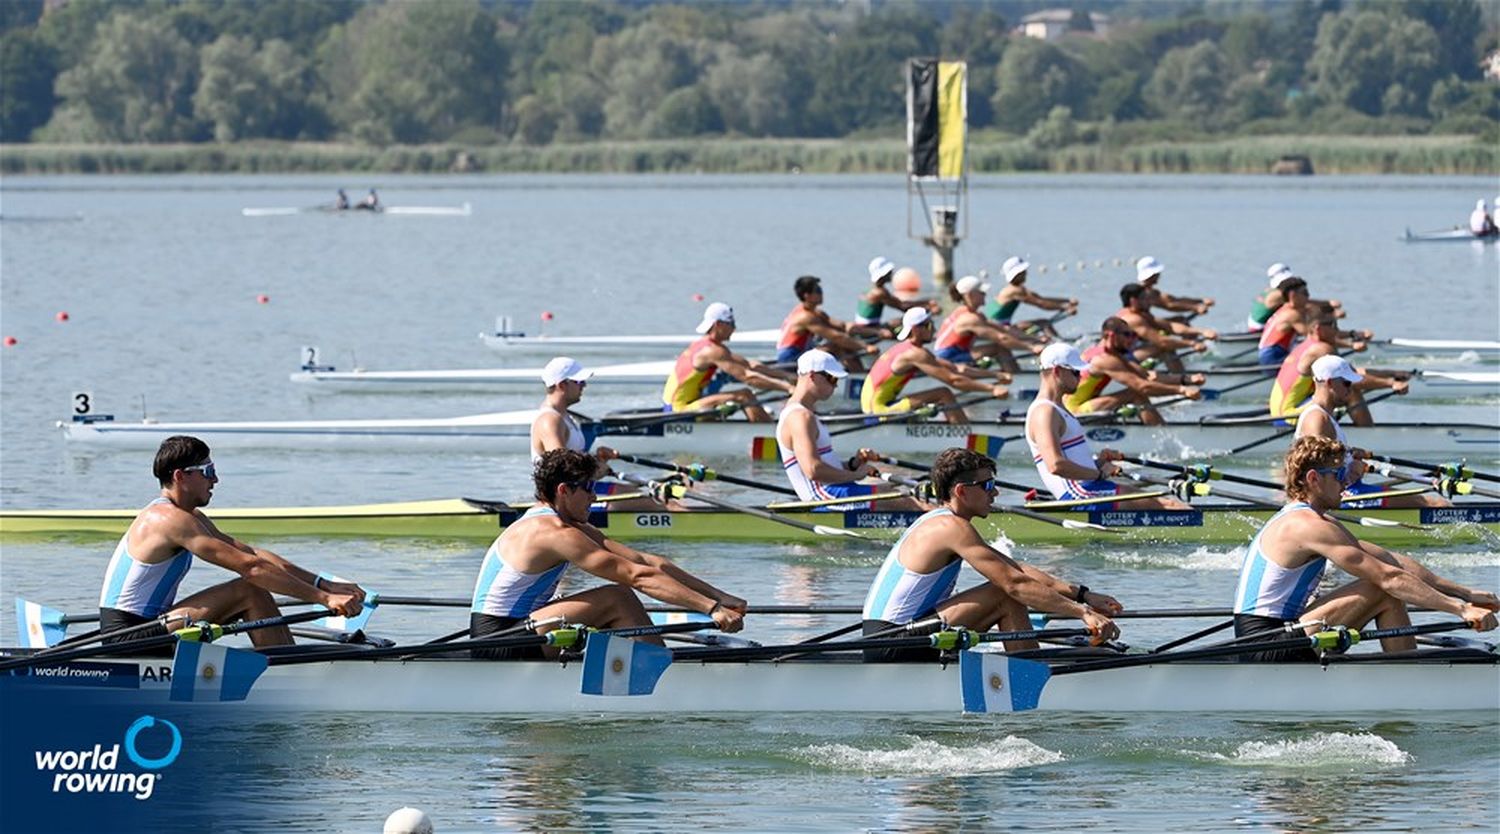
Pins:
x: 937, y: 112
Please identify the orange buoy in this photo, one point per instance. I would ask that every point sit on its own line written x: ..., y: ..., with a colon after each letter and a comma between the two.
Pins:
x: 697, y: 296
x: 10, y: 341
x: 907, y: 282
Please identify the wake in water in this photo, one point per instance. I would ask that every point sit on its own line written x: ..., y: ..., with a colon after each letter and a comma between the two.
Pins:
x: 1319, y: 750
x: 922, y: 756
x: 1201, y: 558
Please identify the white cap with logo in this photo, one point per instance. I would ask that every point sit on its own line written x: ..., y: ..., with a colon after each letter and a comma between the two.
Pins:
x: 1014, y: 267
x: 970, y: 283
x: 1334, y: 367
x: 714, y: 313
x: 1147, y: 268
x: 1062, y: 355
x: 1279, y: 273
x: 814, y: 361
x: 564, y: 367
x: 881, y: 267
x: 915, y: 317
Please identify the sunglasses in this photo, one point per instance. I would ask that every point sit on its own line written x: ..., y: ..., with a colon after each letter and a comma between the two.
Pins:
x: 988, y: 485
x: 204, y: 469
x: 1341, y: 472
x: 582, y: 486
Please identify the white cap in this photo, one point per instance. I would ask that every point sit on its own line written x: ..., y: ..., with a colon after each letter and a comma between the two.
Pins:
x: 880, y: 267
x: 714, y: 313
x: 1276, y: 269
x: 970, y: 283
x: 814, y: 361
x: 1014, y: 266
x: 1147, y: 268
x: 1334, y: 367
x: 1062, y: 355
x: 1282, y: 277
x: 912, y: 318
x: 564, y: 367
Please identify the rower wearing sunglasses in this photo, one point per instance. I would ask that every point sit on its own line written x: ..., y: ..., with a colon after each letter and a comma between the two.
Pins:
x: 149, y: 563
x: 918, y: 578
x: 523, y: 569
x: 1280, y: 574
x: 555, y: 428
x: 1111, y: 360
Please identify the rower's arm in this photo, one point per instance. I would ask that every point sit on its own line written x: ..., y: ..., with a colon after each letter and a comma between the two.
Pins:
x: 1375, y: 564
x: 1483, y: 599
x: 1044, y: 426
x: 671, y: 569
x: 805, y: 447
x: 762, y: 377
x: 1134, y: 377
x: 948, y: 374
x: 261, y: 568
x: 622, y: 568
x: 1015, y: 581
x: 834, y: 333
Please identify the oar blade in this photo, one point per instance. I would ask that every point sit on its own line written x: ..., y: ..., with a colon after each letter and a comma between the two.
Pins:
x: 355, y: 623
x: 37, y: 625
x: 615, y: 665
x: 211, y: 672
x: 673, y: 617
x: 993, y: 682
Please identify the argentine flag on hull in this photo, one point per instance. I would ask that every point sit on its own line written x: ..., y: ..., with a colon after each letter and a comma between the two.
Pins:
x: 210, y: 672
x: 621, y: 666
x: 994, y: 682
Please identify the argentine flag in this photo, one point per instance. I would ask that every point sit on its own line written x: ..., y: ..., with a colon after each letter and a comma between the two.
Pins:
x: 38, y: 626
x: 210, y: 672
x: 621, y: 666
x: 995, y: 682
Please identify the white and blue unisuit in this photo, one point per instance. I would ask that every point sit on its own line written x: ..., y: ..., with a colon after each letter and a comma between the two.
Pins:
x: 503, y: 591
x: 138, y: 588
x: 899, y: 595
x: 1267, y: 589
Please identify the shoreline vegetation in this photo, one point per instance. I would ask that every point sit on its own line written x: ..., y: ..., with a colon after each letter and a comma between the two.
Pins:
x: 1451, y: 154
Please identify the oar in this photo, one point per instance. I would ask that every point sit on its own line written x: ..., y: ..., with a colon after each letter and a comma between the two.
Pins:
x: 817, y: 529
x: 782, y: 506
x: 699, y: 472
x: 870, y: 421
x: 1362, y: 520
x: 1022, y: 512
x: 1445, y: 486
x: 1293, y: 427
x: 1204, y: 472
x: 1098, y: 499
x: 192, y: 632
x: 950, y: 640
x: 1447, y: 470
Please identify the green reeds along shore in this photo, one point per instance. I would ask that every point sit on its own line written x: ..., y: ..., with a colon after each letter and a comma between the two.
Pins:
x: 1245, y: 155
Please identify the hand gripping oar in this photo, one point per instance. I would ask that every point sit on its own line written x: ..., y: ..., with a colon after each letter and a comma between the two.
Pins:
x: 1198, y: 488
x: 699, y: 472
x: 1205, y: 472
x: 819, y: 529
x: 1444, y: 485
x: 1065, y: 523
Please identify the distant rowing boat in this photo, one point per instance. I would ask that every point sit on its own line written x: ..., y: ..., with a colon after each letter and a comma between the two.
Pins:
x: 459, y: 519
x: 1454, y: 234
x: 505, y: 339
x: 509, y: 431
x: 431, y: 211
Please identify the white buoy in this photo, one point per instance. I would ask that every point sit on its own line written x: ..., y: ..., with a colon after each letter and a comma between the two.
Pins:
x: 408, y: 821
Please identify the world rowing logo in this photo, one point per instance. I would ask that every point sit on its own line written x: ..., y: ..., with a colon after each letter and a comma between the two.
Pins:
x: 97, y: 770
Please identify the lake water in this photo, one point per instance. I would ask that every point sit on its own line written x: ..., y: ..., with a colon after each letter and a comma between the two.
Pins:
x: 161, y: 276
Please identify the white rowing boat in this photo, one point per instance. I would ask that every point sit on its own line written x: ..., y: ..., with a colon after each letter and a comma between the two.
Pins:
x: 506, y: 339
x: 509, y: 431
x: 1450, y: 680
x: 427, y: 211
x: 1457, y: 233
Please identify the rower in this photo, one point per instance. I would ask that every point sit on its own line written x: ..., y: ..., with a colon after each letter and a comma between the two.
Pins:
x: 1481, y: 224
x: 1160, y: 339
x: 806, y: 326
x: 1292, y: 319
x: 1337, y: 385
x: 956, y: 336
x: 1002, y: 308
x: 918, y: 576
x: 1266, y: 303
x: 554, y: 428
x: 1293, y: 387
x: 873, y: 303
x: 695, y: 379
x: 1111, y: 360
x: 909, y: 358
x: 807, y: 449
x: 341, y: 202
x: 523, y: 568
x: 1067, y: 465
x: 1148, y: 272
x: 371, y: 202
x: 140, y: 584
x: 1287, y: 558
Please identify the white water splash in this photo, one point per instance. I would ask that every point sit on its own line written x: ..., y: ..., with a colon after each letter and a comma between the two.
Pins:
x: 1319, y: 750
x: 1200, y: 559
x: 922, y: 756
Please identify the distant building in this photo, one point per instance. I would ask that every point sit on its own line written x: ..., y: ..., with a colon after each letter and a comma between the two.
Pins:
x: 1051, y: 24
x: 1491, y: 65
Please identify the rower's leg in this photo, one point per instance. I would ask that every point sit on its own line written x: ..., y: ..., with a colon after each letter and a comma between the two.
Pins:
x: 235, y: 600
x: 1356, y: 604
x: 984, y: 607
x: 942, y: 398
x: 608, y: 606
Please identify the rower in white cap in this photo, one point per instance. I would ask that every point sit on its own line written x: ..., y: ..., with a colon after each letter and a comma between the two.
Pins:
x: 1336, y: 384
x: 1148, y: 272
x: 1002, y: 308
x: 879, y: 296
x: 695, y: 379
x: 1271, y: 298
x: 1068, y: 467
x: 815, y: 472
x: 907, y: 359
x: 1481, y: 223
x: 555, y: 428
x: 966, y: 337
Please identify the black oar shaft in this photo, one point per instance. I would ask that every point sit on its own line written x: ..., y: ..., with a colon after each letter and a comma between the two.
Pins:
x: 691, y: 471
x: 754, y: 652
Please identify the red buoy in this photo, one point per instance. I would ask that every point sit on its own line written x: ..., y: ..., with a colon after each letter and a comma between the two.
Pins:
x: 10, y: 341
x: 697, y: 296
x: 62, y: 316
x: 546, y: 315
x: 263, y: 299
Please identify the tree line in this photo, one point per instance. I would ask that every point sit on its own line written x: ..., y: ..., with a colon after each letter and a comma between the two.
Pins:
x: 537, y: 72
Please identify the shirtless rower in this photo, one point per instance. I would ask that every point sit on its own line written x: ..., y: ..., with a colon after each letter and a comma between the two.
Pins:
x: 965, y: 337
x: 1293, y: 386
x: 1271, y: 298
x: 1288, y: 556
x: 872, y: 304
x: 693, y: 384
x: 523, y: 568
x: 1292, y: 319
x: 1064, y: 460
x: 806, y: 326
x: 1160, y: 339
x: 910, y: 358
x: 807, y: 455
x: 1112, y: 359
x: 1148, y: 272
x: 1002, y: 308
x: 140, y: 584
x: 920, y: 573
x: 1337, y: 385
